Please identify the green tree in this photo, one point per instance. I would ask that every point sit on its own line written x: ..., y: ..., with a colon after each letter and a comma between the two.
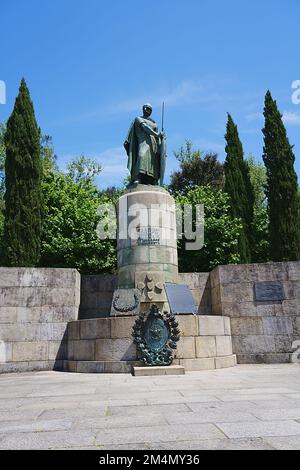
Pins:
x: 112, y: 193
x: 49, y: 158
x: 23, y: 202
x: 2, y: 183
x: 221, y: 232
x: 238, y: 187
x: 70, y: 222
x: 260, y: 251
x: 282, y: 186
x: 70, y: 206
x: 83, y: 168
x: 196, y: 169
x: 2, y: 146
x: 2, y: 165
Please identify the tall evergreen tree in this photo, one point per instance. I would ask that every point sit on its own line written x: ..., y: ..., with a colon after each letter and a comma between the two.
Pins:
x: 2, y: 164
x: 282, y: 187
x: 23, y: 205
x: 239, y: 188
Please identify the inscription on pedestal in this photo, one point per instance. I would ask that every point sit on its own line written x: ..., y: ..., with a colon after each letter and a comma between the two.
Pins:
x: 268, y: 291
x: 149, y: 236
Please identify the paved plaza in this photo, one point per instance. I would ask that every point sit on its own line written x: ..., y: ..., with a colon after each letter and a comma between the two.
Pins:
x: 245, y: 407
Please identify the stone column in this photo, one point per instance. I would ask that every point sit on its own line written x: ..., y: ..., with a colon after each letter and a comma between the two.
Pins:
x: 147, y: 242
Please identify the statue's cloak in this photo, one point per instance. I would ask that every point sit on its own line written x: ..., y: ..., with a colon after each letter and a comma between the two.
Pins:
x: 133, y: 150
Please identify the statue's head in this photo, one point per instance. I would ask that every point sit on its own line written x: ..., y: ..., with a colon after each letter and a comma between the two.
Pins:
x: 147, y: 109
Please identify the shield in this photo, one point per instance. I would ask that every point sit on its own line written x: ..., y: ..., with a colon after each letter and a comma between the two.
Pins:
x: 156, y: 336
x: 156, y: 333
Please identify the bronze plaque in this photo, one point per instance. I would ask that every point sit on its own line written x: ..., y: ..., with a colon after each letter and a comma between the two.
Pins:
x: 180, y: 299
x: 268, y: 291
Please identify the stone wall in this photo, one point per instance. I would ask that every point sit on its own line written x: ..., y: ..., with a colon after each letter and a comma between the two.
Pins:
x: 199, y: 284
x: 36, y: 305
x: 106, y: 345
x: 262, y: 332
x: 97, y: 293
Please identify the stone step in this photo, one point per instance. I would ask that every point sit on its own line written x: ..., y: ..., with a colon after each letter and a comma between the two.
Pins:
x: 157, y: 370
x: 100, y: 367
x: 126, y: 367
x: 30, y: 366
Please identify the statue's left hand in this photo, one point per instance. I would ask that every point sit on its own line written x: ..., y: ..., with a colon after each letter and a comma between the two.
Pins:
x: 126, y: 146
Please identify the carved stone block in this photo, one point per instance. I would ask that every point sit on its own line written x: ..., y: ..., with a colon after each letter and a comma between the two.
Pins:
x: 126, y: 302
x: 151, y: 286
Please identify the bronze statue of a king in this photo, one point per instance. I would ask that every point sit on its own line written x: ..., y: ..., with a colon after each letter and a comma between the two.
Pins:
x: 146, y: 150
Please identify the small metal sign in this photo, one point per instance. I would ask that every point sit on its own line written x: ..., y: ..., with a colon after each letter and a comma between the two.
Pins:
x: 268, y: 291
x: 149, y: 236
x: 180, y: 299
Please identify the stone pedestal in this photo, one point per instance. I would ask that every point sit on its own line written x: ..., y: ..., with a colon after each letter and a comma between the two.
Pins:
x: 105, y: 345
x: 147, y: 245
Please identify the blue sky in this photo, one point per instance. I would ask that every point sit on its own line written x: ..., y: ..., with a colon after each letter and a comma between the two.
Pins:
x: 91, y: 65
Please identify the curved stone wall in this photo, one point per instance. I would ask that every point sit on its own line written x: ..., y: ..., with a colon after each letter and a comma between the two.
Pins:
x: 147, y: 214
x: 105, y: 344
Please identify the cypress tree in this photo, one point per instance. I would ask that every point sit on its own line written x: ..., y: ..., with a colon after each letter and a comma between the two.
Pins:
x: 282, y: 186
x: 23, y: 204
x: 239, y: 188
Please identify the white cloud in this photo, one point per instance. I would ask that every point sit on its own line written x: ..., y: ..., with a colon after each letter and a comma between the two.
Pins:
x: 290, y: 117
x: 2, y: 92
x: 113, y: 162
x: 186, y: 92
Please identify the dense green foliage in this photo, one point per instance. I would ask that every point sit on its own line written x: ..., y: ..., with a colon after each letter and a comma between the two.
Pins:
x: 2, y: 166
x: 69, y: 233
x: 2, y: 146
x: 221, y: 229
x: 238, y: 187
x: 70, y: 203
x: 49, y: 158
x: 196, y: 170
x: 282, y: 186
x: 23, y: 197
x: 83, y: 168
x: 260, y: 250
x: 2, y: 184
